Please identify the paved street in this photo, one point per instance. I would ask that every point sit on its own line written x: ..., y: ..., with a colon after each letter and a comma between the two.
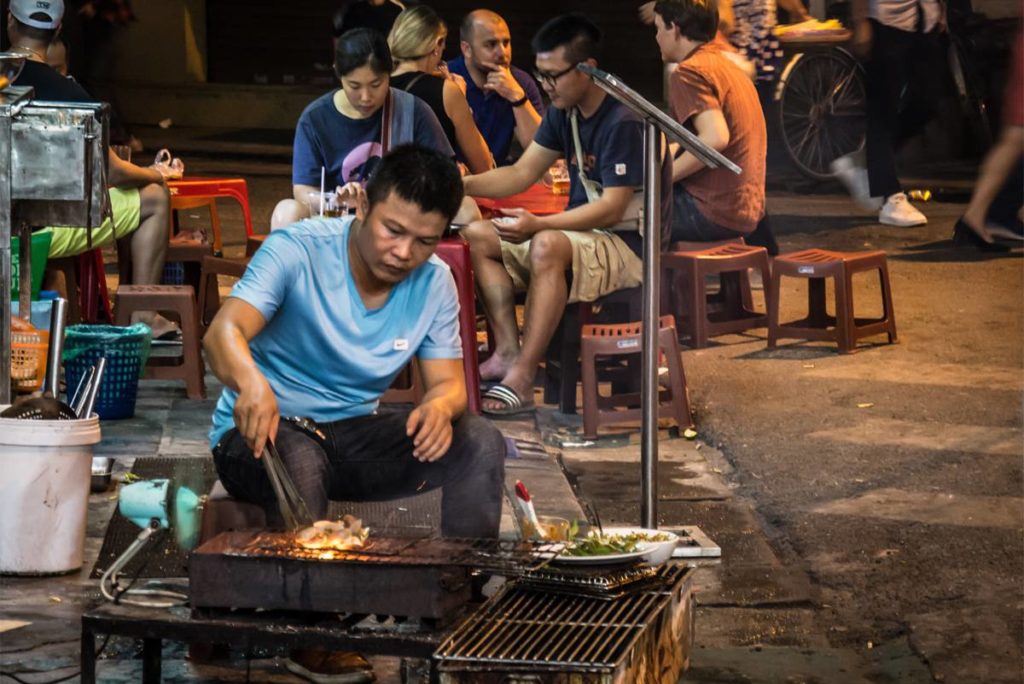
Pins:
x: 869, y: 506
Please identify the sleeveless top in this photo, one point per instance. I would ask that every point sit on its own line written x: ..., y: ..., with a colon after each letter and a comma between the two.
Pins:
x: 430, y: 89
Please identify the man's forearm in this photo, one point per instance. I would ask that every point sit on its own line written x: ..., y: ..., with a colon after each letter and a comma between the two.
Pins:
x: 500, y: 182
x: 122, y: 174
x: 589, y: 216
x: 450, y: 394
x: 229, y: 355
x: 527, y: 122
x: 684, y: 166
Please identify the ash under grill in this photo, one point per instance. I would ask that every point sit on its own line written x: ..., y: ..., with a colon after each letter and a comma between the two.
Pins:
x: 527, y: 630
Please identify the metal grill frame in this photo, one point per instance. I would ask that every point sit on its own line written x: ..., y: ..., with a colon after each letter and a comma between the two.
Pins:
x: 563, y: 633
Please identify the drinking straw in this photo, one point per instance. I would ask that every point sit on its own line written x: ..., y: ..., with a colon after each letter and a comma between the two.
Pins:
x: 323, y: 173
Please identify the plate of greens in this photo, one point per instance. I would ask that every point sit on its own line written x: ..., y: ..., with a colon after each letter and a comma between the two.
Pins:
x: 618, y: 545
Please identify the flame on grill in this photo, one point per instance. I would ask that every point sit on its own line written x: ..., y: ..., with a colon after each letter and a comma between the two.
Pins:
x: 329, y: 537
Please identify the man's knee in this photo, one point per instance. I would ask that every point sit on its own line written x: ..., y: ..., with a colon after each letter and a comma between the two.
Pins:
x: 480, y: 438
x: 287, y: 212
x: 481, y: 237
x: 550, y: 249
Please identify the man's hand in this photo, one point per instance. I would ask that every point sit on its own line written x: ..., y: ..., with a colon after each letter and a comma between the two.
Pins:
x: 521, y: 230
x: 501, y: 81
x: 256, y: 414
x: 430, y: 426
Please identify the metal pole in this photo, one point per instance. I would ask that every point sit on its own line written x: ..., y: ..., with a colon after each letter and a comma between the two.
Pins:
x: 649, y: 335
x: 5, y: 260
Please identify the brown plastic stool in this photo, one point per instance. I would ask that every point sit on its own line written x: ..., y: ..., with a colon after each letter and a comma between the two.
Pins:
x: 224, y: 513
x: 844, y: 328
x: 732, y: 310
x: 209, y: 289
x: 621, y: 340
x: 166, y: 298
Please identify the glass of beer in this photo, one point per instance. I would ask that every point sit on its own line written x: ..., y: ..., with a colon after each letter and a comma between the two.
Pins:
x: 327, y: 205
x: 559, y: 178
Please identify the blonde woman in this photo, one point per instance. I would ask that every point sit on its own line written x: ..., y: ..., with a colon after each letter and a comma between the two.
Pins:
x: 417, y: 43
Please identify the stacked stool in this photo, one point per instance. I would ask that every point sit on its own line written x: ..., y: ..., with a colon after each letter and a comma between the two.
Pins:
x: 733, y: 311
x: 844, y: 328
x: 624, y: 340
x: 181, y: 300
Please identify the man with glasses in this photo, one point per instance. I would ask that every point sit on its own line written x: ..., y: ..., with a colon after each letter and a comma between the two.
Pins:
x: 590, y: 250
x: 505, y: 101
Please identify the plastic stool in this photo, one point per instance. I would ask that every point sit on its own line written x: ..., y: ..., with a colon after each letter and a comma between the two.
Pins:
x: 209, y: 289
x: 181, y: 300
x: 622, y: 340
x: 85, y: 282
x: 844, y: 328
x: 224, y: 513
x: 455, y: 253
x: 732, y: 310
x: 194, y: 188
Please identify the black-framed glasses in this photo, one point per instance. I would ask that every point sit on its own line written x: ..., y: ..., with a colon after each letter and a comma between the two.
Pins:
x: 551, y: 80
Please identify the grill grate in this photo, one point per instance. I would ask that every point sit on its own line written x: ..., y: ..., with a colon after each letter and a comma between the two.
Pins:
x: 499, y: 556
x: 523, y: 627
x: 590, y: 581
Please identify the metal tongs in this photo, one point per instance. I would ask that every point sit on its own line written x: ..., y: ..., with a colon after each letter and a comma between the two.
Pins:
x: 293, y: 509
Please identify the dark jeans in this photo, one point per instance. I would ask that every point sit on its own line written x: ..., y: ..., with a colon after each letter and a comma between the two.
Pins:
x: 902, y: 96
x: 689, y: 225
x: 369, y: 458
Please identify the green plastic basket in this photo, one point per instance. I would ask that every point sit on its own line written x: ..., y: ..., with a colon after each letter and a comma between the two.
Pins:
x: 40, y: 253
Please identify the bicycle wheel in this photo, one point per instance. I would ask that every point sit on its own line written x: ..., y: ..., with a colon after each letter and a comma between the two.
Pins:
x: 821, y: 103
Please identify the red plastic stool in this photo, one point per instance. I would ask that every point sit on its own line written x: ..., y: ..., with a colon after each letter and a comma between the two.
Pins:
x: 844, y: 328
x: 85, y: 280
x: 703, y: 316
x: 624, y: 340
x: 455, y: 253
x: 187, y: 191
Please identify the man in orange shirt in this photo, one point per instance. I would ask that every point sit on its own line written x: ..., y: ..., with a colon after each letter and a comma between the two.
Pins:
x: 711, y: 95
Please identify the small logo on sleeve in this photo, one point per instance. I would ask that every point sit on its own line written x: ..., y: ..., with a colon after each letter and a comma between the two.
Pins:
x: 401, y: 344
x: 620, y: 169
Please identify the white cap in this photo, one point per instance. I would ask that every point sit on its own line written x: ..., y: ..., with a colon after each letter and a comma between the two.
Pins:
x: 40, y: 14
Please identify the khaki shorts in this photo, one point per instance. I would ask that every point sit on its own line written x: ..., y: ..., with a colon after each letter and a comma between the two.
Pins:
x: 126, y: 210
x: 601, y: 263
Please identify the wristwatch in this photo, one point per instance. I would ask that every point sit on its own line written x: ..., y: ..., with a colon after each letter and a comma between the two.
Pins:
x: 521, y: 101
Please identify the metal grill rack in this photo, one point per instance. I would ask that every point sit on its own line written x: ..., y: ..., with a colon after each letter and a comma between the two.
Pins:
x: 598, y: 582
x: 525, y: 628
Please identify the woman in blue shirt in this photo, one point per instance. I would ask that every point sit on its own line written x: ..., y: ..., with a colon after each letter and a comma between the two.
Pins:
x: 344, y: 133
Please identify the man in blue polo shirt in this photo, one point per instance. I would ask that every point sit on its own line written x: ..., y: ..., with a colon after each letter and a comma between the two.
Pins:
x: 327, y: 314
x: 505, y: 100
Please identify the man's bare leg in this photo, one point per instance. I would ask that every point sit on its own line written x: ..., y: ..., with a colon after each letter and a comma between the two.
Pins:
x: 550, y: 256
x: 496, y: 295
x: 147, y: 247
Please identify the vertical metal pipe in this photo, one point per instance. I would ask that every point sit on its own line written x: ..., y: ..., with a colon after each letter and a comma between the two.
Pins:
x: 649, y: 338
x: 25, y: 271
x: 5, y: 257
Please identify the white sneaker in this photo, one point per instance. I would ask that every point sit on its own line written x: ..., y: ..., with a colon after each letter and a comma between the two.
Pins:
x: 855, y: 178
x: 898, y: 211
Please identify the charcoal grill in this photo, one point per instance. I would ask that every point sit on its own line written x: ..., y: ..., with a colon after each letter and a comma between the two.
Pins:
x: 423, y: 577
x: 525, y: 635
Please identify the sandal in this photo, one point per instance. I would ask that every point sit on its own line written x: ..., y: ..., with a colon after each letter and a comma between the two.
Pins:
x: 512, y: 404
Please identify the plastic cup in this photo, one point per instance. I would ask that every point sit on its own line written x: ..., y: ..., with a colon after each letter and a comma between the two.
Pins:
x: 553, y: 528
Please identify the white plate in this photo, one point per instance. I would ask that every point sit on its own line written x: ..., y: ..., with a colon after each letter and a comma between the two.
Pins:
x: 654, y: 553
x: 610, y: 559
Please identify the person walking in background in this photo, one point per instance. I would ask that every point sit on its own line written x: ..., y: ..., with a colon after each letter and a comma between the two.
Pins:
x: 898, y: 40
x: 505, y: 100
x: 1000, y: 175
x: 417, y: 42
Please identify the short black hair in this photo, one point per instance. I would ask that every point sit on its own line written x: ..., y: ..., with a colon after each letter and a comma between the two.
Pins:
x: 420, y: 175
x: 362, y: 47
x: 33, y: 33
x: 696, y: 19
x: 580, y: 37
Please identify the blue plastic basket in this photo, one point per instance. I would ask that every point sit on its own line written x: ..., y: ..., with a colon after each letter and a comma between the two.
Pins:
x: 174, y: 273
x: 126, y: 349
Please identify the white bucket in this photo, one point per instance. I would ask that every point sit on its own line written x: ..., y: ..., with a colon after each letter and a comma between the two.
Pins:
x: 44, y: 493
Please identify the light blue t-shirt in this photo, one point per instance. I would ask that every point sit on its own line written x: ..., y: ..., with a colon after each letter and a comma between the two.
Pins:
x: 325, y: 355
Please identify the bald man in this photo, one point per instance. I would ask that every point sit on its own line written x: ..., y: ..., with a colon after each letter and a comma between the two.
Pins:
x: 505, y: 100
